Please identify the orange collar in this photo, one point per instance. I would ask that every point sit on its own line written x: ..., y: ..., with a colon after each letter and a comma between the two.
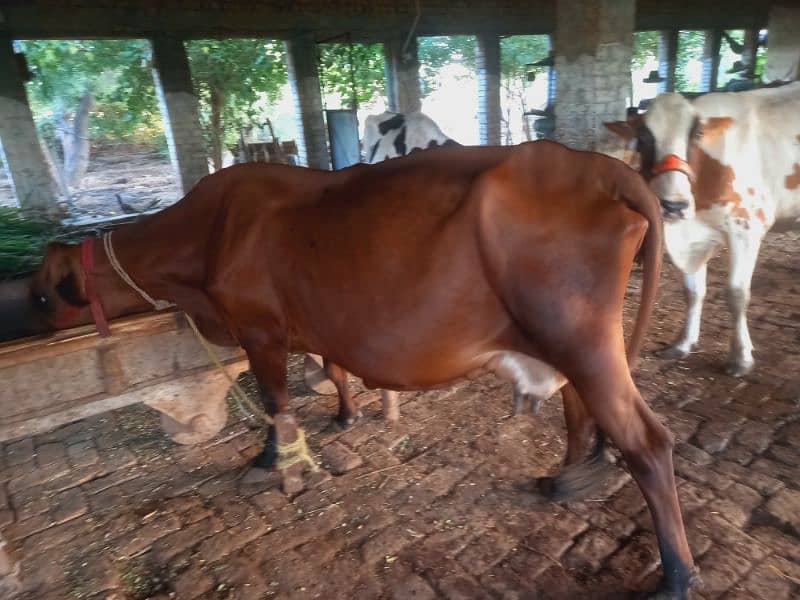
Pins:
x: 673, y: 162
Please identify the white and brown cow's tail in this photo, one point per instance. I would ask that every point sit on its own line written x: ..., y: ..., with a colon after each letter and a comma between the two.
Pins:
x: 637, y: 195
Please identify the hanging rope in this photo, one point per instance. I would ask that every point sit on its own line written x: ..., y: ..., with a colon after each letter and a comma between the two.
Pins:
x: 412, y: 30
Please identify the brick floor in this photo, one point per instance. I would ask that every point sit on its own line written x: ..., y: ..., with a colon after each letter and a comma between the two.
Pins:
x: 435, y: 506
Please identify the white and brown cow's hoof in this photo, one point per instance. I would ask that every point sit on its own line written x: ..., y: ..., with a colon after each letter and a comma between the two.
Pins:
x: 739, y: 369
x: 673, y: 352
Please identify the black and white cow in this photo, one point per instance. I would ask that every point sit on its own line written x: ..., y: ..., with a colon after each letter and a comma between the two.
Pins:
x: 390, y: 134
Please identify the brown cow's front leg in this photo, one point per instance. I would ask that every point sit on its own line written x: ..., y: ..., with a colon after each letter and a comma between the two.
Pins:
x: 268, y: 363
x: 585, y: 466
x: 348, y: 411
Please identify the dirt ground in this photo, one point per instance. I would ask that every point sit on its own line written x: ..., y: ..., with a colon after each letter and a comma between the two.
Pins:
x: 139, y: 174
x: 439, y: 505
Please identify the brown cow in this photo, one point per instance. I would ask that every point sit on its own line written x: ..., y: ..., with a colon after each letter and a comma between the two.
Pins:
x: 411, y: 274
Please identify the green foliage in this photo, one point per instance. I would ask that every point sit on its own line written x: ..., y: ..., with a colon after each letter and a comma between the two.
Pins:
x: 21, y: 243
x: 436, y: 52
x: 345, y: 68
x: 115, y: 71
x: 645, y: 46
x: 691, y: 45
x: 520, y: 50
x: 728, y: 57
x: 233, y: 79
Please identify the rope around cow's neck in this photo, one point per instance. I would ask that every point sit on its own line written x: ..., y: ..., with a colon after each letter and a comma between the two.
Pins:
x: 112, y: 258
x: 288, y: 454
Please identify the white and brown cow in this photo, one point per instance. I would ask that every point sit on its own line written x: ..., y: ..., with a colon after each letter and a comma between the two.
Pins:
x: 391, y: 134
x: 726, y: 167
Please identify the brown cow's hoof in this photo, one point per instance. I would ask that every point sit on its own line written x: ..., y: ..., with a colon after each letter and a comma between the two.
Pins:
x: 343, y: 423
x: 739, y: 369
x: 256, y: 475
x: 672, y: 353
x: 678, y: 591
x: 292, y: 482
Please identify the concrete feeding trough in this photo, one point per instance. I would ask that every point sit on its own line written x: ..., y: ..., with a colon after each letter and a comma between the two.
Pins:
x: 155, y: 358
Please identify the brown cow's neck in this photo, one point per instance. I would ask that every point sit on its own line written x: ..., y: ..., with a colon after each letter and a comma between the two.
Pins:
x: 159, y: 253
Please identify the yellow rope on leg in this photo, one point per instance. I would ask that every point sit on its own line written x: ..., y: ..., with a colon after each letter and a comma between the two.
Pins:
x: 295, y: 452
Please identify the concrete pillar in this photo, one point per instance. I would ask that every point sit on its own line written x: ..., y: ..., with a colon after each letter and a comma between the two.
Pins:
x: 783, y: 43
x: 667, y: 59
x: 711, y: 58
x: 487, y: 56
x: 20, y: 149
x: 180, y: 111
x: 593, y: 48
x: 402, y: 74
x: 312, y: 146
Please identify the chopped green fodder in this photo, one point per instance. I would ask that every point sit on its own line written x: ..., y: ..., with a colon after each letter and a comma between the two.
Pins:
x: 22, y: 242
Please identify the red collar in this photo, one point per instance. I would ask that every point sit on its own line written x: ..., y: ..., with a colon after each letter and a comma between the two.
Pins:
x: 673, y: 162
x: 87, y: 263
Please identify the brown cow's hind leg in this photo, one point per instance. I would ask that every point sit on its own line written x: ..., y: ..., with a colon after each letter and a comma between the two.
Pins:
x: 612, y: 399
x: 348, y: 411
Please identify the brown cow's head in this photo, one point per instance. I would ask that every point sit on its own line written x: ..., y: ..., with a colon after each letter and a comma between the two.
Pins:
x: 668, y: 140
x: 58, y: 289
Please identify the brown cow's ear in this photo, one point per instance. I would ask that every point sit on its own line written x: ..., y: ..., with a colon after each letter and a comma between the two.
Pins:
x: 64, y: 274
x: 621, y: 128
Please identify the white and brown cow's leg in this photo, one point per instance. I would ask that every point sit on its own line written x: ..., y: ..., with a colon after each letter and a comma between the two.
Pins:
x: 744, y: 250
x: 390, y: 404
x: 694, y: 290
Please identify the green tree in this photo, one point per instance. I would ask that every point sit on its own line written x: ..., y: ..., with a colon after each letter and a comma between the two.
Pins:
x: 691, y: 46
x: 516, y: 53
x: 645, y: 46
x: 115, y: 72
x: 232, y: 77
x: 352, y: 71
x: 438, y: 51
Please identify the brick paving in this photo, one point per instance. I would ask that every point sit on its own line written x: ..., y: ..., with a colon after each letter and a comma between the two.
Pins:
x: 437, y: 506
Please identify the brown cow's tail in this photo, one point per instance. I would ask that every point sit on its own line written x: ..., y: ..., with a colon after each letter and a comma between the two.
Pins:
x: 637, y: 195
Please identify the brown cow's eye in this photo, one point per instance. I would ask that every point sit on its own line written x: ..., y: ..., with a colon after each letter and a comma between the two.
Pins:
x: 41, y: 300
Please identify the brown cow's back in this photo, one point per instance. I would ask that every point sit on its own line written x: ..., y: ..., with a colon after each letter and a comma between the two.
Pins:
x: 420, y: 254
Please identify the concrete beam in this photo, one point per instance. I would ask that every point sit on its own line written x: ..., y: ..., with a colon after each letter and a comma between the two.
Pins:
x: 487, y: 55
x: 20, y: 147
x: 783, y: 44
x: 364, y: 21
x: 180, y: 111
x: 593, y: 48
x: 401, y: 65
x: 304, y: 79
